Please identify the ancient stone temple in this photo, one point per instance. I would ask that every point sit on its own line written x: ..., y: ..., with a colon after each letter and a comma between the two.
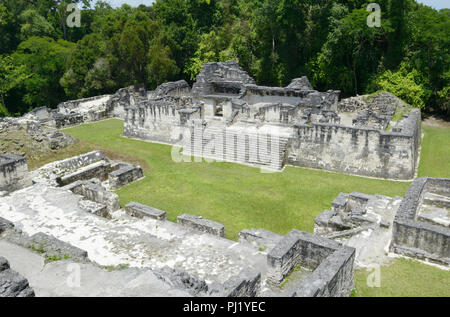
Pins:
x: 226, y: 116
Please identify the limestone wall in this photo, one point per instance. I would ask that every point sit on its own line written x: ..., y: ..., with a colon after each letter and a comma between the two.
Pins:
x: 13, y: 173
x: 332, y: 278
x: 332, y: 264
x: 203, y: 225
x: 125, y: 174
x: 361, y: 151
x: 157, y: 121
x: 421, y: 239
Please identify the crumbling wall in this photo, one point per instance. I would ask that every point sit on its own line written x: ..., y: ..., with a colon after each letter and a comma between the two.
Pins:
x: 223, y: 72
x: 12, y: 284
x: 332, y: 264
x: 95, y: 192
x: 125, y: 174
x: 332, y: 278
x: 158, y: 121
x: 202, y: 225
x: 82, y: 167
x: 13, y: 173
x: 141, y: 211
x: 420, y: 239
x: 361, y: 151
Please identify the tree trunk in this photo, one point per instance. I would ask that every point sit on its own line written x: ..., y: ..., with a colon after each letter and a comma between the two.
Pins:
x: 3, y: 104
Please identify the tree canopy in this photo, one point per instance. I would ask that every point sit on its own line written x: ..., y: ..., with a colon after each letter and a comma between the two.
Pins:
x: 330, y: 41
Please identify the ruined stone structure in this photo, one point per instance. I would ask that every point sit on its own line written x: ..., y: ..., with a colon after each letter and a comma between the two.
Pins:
x: 12, y: 284
x: 13, y: 173
x: 227, y: 117
x: 422, y: 223
x: 66, y: 212
x: 82, y: 222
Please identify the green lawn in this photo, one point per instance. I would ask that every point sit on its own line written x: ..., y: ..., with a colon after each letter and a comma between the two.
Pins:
x: 405, y: 278
x: 435, y: 154
x: 242, y: 197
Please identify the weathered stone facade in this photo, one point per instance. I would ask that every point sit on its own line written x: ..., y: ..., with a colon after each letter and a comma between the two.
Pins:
x: 227, y: 117
x: 12, y: 284
x: 13, y: 173
x: 417, y: 238
x: 202, y: 225
x: 332, y: 264
x: 124, y: 174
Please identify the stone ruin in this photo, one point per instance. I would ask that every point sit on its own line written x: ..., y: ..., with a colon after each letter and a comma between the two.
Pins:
x: 12, y: 284
x: 422, y: 223
x: 66, y: 217
x: 13, y: 173
x: 67, y: 213
x: 21, y: 136
x: 51, y: 223
x: 417, y: 225
x: 225, y: 116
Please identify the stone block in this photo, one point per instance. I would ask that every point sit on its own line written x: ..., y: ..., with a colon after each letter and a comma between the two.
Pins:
x: 202, y: 225
x: 141, y: 211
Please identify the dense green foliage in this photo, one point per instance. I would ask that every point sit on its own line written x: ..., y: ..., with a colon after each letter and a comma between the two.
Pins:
x: 274, y: 40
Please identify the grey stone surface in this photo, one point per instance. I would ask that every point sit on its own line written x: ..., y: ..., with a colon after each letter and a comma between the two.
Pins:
x: 12, y: 284
x: 47, y: 245
x: 260, y: 238
x: 97, y: 193
x: 4, y: 264
x: 93, y: 164
x: 246, y: 284
x: 138, y: 210
x: 13, y: 172
x: 5, y: 224
x: 124, y: 174
x: 203, y: 225
x: 421, y: 239
x: 59, y: 278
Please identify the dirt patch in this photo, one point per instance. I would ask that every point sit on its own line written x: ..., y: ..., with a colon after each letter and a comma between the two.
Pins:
x: 433, y: 121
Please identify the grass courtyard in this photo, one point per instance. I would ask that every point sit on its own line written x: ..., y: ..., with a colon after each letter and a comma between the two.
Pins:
x: 242, y: 197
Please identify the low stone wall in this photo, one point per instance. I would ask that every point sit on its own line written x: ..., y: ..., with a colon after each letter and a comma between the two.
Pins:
x: 421, y: 239
x: 246, y: 284
x: 332, y: 264
x: 297, y: 248
x: 203, y: 225
x: 125, y: 174
x: 332, y: 278
x: 97, y: 193
x: 98, y: 170
x: 44, y: 244
x: 83, y: 167
x: 53, y: 247
x: 12, y: 284
x: 13, y: 173
x: 141, y: 211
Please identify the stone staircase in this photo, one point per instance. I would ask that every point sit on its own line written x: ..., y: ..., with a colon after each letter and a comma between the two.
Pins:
x: 238, y: 146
